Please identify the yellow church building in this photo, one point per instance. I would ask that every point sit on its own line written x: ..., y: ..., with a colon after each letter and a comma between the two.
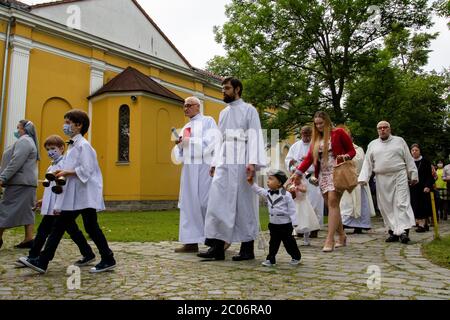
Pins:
x: 109, y: 58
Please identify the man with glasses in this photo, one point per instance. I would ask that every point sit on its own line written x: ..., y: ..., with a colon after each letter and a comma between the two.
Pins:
x: 194, y: 148
x: 391, y: 161
x: 232, y: 214
x: 295, y: 156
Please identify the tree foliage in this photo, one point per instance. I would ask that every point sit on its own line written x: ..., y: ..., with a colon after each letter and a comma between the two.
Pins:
x: 359, y: 60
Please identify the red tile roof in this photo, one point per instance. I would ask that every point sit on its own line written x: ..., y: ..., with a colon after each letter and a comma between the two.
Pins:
x: 132, y: 80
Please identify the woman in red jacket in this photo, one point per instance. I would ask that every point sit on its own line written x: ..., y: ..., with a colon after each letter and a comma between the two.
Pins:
x: 328, y: 146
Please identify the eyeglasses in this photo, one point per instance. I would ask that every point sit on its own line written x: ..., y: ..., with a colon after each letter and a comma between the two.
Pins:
x: 383, y: 127
x: 187, y: 105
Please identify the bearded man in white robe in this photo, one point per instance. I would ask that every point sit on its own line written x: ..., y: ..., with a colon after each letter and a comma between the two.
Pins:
x: 193, y: 149
x: 232, y: 214
x: 391, y: 161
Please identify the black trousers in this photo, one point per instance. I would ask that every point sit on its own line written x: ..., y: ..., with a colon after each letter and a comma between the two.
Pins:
x: 91, y: 226
x: 44, y: 230
x: 282, y: 233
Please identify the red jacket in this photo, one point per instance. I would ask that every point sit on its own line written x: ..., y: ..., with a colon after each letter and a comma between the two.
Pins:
x: 341, y: 143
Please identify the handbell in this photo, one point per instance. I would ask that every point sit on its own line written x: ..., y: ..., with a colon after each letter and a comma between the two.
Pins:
x: 46, y: 183
x: 57, y: 189
x: 50, y: 176
x: 61, y: 181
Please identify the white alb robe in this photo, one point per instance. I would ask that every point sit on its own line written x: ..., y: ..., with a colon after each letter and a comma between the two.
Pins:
x: 195, y: 179
x: 298, y: 152
x: 232, y: 214
x: 352, y: 208
x: 393, y: 165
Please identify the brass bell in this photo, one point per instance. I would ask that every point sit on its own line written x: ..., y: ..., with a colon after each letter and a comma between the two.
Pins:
x: 61, y: 181
x: 46, y: 183
x: 57, y: 189
x: 50, y: 176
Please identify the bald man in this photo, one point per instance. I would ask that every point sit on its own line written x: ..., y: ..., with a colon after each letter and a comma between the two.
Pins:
x: 391, y: 161
x: 192, y: 149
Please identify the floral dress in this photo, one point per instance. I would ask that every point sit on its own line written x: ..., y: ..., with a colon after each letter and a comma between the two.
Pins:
x: 326, y: 169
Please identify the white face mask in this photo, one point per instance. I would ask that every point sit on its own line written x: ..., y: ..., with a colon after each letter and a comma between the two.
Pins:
x: 54, y: 154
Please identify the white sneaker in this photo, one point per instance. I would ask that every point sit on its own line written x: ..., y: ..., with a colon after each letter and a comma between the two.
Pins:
x: 19, y: 264
x: 294, y: 262
x: 267, y: 263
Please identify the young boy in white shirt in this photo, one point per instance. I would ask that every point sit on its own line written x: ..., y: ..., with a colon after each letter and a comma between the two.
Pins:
x: 54, y: 145
x: 83, y: 194
x: 282, y: 217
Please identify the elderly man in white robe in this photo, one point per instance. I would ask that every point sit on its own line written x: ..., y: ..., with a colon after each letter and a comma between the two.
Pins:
x: 295, y: 156
x: 194, y: 149
x: 232, y: 214
x: 389, y: 158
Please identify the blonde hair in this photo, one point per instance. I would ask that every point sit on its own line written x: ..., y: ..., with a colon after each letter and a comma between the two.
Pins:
x: 318, y: 136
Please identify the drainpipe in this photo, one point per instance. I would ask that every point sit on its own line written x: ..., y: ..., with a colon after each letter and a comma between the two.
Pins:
x: 5, y: 69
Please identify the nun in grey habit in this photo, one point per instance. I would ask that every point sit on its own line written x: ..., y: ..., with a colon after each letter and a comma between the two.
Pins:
x: 19, y: 177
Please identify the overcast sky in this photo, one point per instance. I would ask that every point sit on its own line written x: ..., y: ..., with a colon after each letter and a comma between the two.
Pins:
x: 189, y: 25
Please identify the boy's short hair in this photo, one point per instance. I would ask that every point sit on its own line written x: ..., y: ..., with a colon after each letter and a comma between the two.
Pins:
x: 79, y: 117
x: 54, y: 140
x: 280, y: 175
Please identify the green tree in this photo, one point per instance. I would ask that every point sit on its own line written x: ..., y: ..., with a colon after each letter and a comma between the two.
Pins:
x: 416, y: 104
x: 301, y: 54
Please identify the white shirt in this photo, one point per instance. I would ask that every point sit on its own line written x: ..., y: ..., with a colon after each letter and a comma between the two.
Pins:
x: 85, y: 189
x: 49, y: 198
x: 281, y: 206
x: 298, y: 152
x: 388, y: 156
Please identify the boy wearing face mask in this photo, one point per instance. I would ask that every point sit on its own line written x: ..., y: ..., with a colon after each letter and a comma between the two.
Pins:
x: 55, y: 149
x: 83, y: 195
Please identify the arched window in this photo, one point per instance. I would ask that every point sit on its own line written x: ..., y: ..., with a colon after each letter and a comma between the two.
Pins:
x: 124, y: 134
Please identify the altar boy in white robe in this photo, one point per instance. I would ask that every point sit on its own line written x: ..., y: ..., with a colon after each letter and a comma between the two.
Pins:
x: 82, y: 195
x: 391, y: 161
x: 232, y: 214
x: 194, y: 149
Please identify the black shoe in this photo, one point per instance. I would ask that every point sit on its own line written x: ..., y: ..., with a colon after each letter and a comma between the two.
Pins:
x: 242, y: 257
x: 35, y: 264
x: 357, y: 231
x: 392, y: 238
x: 104, y: 266
x: 25, y: 245
x: 404, y: 238
x: 85, y: 261
x: 421, y: 229
x: 212, y: 254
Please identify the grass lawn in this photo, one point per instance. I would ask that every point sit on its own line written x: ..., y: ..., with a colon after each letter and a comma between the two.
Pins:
x: 438, y: 251
x: 152, y: 226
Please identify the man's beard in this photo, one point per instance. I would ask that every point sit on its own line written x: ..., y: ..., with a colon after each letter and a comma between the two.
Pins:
x: 228, y: 99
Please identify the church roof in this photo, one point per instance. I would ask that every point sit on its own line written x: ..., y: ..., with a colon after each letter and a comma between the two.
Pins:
x: 16, y: 4
x: 132, y: 80
x: 54, y: 3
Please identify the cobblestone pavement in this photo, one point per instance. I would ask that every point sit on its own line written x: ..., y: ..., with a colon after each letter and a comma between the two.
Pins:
x: 154, y: 271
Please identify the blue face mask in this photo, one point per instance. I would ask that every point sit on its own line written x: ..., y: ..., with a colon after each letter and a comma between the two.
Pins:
x: 67, y: 130
x: 16, y: 134
x: 54, y: 154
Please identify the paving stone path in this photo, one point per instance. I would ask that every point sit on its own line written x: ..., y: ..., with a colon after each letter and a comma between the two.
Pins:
x: 154, y: 271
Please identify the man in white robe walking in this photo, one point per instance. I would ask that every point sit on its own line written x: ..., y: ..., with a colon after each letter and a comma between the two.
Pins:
x: 297, y: 152
x: 232, y: 214
x: 193, y: 149
x: 391, y: 161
